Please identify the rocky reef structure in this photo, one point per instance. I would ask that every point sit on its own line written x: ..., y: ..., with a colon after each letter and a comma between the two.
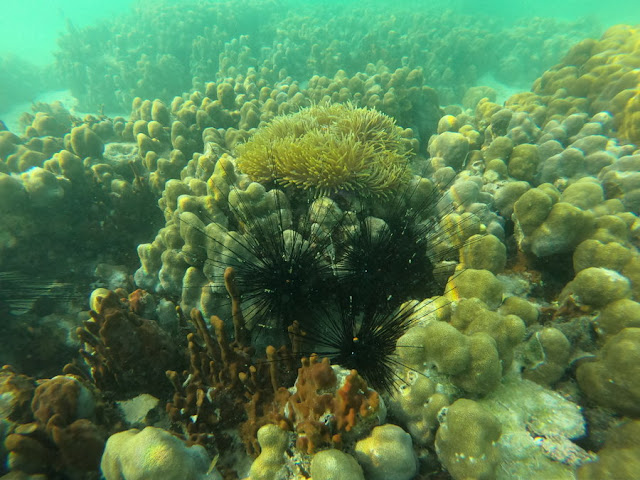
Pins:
x: 52, y: 170
x: 594, y: 76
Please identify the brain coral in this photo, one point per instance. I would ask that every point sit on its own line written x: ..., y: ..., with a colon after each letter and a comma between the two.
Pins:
x: 329, y: 148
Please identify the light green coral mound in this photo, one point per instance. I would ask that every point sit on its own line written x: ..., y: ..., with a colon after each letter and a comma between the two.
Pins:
x: 547, y: 222
x: 598, y: 287
x: 613, y: 379
x: 273, y: 442
x: 329, y: 148
x: 466, y: 440
x: 416, y: 405
x: 154, y: 453
x: 333, y: 464
x: 387, y: 454
x: 620, y: 457
x: 546, y: 356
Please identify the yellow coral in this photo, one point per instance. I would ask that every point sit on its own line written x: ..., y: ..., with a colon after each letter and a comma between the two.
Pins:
x: 595, y: 76
x: 329, y: 148
x: 629, y: 127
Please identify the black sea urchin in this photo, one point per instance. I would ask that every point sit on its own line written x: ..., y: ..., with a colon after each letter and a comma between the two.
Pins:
x: 390, y: 256
x: 342, y: 268
x: 280, y: 253
x: 364, y: 342
x: 282, y: 268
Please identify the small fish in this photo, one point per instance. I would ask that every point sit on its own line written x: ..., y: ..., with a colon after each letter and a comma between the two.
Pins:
x: 214, y: 462
x: 19, y: 292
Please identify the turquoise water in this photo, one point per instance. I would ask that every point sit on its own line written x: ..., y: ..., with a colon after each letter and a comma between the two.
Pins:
x: 606, y: 13
x: 29, y: 28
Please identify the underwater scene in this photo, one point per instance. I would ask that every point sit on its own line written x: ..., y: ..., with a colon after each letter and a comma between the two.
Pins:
x: 276, y: 240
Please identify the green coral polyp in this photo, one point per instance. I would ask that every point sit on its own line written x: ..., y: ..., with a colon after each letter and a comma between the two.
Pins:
x: 329, y: 148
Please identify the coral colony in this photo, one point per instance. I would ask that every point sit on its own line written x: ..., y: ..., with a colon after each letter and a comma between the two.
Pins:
x: 363, y: 265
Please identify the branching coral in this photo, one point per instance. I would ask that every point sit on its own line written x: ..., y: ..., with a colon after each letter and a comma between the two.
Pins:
x: 225, y: 387
x: 329, y: 148
x: 321, y: 412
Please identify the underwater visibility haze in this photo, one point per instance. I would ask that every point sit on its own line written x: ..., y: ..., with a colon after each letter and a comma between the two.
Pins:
x: 262, y: 239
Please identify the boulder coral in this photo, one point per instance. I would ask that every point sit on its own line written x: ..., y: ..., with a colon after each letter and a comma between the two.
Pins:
x: 594, y: 76
x: 154, y: 453
x: 273, y: 443
x: 387, y: 454
x: 613, y: 378
x: 466, y: 441
x: 85, y: 142
x: 416, y: 405
x: 546, y: 356
x: 472, y: 350
x: 547, y: 223
x: 334, y: 464
x: 56, y: 430
x: 598, y: 287
x: 616, y: 316
x: 619, y: 458
x: 621, y: 180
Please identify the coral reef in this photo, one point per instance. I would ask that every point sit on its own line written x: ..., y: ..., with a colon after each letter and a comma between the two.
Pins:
x: 52, y: 170
x: 400, y: 93
x: 594, y: 76
x: 477, y: 264
x: 21, y: 80
x: 113, y: 63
